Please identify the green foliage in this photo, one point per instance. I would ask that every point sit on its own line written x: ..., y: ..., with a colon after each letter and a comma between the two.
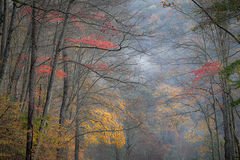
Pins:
x: 228, y: 5
x: 225, y: 10
x: 230, y: 70
x: 236, y: 102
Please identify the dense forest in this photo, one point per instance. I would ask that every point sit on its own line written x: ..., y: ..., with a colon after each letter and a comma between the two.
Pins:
x: 120, y: 79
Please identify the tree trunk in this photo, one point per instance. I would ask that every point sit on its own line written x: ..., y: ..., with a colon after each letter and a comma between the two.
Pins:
x: 211, y: 134
x: 217, y: 134
x: 129, y: 146
x: 54, y: 67
x: 227, y: 124
x: 7, y: 46
x: 215, y: 119
x: 15, y: 75
x: 1, y: 16
x: 229, y: 149
x: 52, y: 77
x: 24, y: 91
x: 4, y: 26
x: 31, y: 88
x: 77, y: 139
x: 77, y: 130
x: 61, y: 152
x: 236, y: 138
x: 117, y: 154
x: 229, y: 145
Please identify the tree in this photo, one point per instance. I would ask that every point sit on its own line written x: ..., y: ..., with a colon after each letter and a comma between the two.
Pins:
x: 31, y: 87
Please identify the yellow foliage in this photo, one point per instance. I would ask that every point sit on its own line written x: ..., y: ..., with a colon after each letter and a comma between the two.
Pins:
x: 167, y: 90
x: 12, y: 130
x: 105, y: 128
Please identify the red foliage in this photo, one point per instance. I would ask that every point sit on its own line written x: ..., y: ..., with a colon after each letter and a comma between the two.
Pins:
x: 55, y: 17
x: 78, y: 26
x: 101, y: 38
x: 209, y: 69
x: 25, y: 56
x: 58, y: 19
x: 99, y: 15
x: 75, y: 19
x: 28, y: 11
x: 25, y: 11
x: 65, y: 59
x: 43, y: 58
x: 46, y: 59
x: 45, y: 70
x: 39, y: 109
x: 60, y: 74
x: 40, y: 12
x: 100, y: 67
x: 109, y: 27
x: 94, y: 42
x: 20, y: 64
x: 22, y: 59
x: 89, y: 16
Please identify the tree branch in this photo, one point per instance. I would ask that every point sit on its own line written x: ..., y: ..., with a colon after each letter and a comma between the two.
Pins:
x: 214, y: 22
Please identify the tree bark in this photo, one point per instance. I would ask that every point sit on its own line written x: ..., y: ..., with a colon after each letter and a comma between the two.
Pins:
x: 54, y: 67
x: 210, y: 133
x: 4, y: 26
x: 227, y: 125
x: 235, y: 137
x: 1, y: 16
x: 61, y: 152
x: 77, y: 139
x: 77, y: 129
x: 25, y: 86
x: 31, y: 87
x: 7, y: 46
x: 52, y: 77
x: 229, y: 145
x: 15, y: 75
x: 215, y: 118
x: 117, y: 154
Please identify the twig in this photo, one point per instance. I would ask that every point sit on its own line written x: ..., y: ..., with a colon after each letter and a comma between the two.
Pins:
x: 221, y: 27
